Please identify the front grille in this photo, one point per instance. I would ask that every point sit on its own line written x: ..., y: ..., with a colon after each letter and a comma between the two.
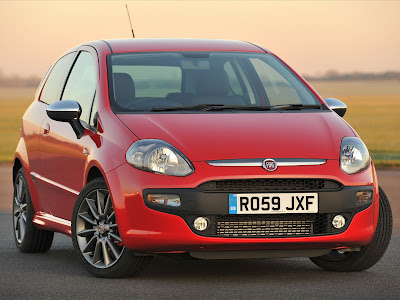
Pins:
x: 237, y: 185
x: 271, y: 226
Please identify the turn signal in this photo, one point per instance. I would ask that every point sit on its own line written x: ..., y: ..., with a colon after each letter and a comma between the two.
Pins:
x: 364, y: 196
x: 170, y: 200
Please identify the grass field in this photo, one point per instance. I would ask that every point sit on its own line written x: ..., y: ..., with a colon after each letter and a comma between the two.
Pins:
x: 373, y: 111
x: 13, y: 103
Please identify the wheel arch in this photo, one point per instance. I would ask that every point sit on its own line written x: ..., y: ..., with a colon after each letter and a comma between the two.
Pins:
x: 20, y: 158
x: 93, y: 171
x: 17, y: 165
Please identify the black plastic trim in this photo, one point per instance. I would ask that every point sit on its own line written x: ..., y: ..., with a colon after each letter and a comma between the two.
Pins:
x: 196, y: 203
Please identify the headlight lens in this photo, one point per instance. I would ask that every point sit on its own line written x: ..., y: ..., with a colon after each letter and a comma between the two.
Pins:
x: 354, y: 155
x: 158, y: 156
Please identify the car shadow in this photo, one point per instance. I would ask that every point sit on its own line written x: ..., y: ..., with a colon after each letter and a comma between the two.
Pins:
x: 168, y: 270
x: 250, y: 270
x: 61, y: 260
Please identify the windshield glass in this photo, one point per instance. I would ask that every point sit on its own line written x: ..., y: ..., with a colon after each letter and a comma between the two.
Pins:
x: 154, y: 81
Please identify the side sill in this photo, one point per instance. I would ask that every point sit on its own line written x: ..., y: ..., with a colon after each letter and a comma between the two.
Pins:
x: 49, y: 222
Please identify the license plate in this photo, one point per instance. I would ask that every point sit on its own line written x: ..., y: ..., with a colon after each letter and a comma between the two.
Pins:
x: 279, y: 203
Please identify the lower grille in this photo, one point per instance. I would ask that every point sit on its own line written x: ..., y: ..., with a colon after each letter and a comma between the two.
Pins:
x: 272, y: 225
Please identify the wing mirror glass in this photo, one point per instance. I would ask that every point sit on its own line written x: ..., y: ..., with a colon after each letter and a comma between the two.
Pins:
x: 67, y: 111
x: 336, y: 105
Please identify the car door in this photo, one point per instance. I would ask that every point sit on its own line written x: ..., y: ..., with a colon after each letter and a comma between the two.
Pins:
x: 64, y: 155
x: 47, y: 93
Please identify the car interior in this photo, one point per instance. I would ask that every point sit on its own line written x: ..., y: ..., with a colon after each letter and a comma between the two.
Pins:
x: 142, y: 82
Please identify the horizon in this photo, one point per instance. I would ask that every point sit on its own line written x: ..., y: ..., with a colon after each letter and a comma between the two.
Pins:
x: 313, y: 37
x: 328, y: 75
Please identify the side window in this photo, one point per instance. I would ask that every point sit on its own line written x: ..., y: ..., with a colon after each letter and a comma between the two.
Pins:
x: 41, y: 82
x: 51, y: 89
x: 81, y: 84
x: 277, y: 88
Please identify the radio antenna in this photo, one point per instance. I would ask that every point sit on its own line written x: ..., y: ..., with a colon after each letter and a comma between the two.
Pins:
x: 129, y: 17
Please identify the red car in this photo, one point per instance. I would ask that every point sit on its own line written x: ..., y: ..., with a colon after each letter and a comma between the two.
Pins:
x: 212, y: 148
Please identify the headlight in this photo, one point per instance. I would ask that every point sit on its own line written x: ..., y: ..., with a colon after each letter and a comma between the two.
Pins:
x: 159, y: 157
x: 354, y: 155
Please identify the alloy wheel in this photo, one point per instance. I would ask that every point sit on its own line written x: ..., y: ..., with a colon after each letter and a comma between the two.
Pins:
x: 19, y: 209
x: 97, y: 230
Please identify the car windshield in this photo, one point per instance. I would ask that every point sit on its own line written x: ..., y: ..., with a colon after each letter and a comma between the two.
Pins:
x: 204, y: 81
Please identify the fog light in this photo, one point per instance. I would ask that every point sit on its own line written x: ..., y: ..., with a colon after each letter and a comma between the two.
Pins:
x: 338, y: 221
x: 364, y: 196
x: 200, y: 224
x: 170, y: 200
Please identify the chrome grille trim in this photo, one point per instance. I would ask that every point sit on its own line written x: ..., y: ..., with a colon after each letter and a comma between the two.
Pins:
x: 258, y: 162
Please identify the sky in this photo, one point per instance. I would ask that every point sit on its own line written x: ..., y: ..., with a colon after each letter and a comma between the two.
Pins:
x: 312, y: 36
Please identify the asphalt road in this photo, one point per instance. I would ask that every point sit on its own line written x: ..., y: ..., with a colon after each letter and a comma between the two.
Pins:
x: 58, y: 273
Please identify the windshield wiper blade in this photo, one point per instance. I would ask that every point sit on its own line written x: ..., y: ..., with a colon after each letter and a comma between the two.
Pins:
x: 186, y: 107
x: 210, y: 107
x: 295, y: 106
x: 237, y: 107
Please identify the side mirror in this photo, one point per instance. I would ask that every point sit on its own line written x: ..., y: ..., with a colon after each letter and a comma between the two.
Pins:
x: 336, y: 105
x: 67, y: 111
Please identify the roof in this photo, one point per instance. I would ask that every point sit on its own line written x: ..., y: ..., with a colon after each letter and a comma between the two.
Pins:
x: 144, y: 45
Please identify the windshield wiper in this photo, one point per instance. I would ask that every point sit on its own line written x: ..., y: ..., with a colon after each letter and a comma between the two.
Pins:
x: 236, y: 107
x: 185, y: 107
x: 209, y: 107
x: 295, y: 106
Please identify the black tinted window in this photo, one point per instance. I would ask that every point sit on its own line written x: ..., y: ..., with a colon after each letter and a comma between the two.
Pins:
x: 51, y: 89
x: 81, y: 84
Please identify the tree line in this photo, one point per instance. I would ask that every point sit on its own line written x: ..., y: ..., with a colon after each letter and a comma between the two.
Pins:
x: 331, y: 75
x: 18, y: 81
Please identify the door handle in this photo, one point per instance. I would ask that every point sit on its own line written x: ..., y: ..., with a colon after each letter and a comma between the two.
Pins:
x: 46, y: 129
x: 86, y: 151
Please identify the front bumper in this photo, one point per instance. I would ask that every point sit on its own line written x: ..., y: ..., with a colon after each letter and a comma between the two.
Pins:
x: 213, y: 205
x: 151, y: 227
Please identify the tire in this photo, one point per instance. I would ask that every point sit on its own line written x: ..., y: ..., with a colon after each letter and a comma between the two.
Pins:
x: 95, y: 235
x: 28, y: 238
x: 369, y: 255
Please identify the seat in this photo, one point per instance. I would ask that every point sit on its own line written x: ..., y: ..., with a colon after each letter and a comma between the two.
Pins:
x: 212, y: 87
x: 124, y: 90
x: 212, y: 83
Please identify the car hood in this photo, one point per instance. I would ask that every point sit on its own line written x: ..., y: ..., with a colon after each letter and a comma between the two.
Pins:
x: 218, y: 136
